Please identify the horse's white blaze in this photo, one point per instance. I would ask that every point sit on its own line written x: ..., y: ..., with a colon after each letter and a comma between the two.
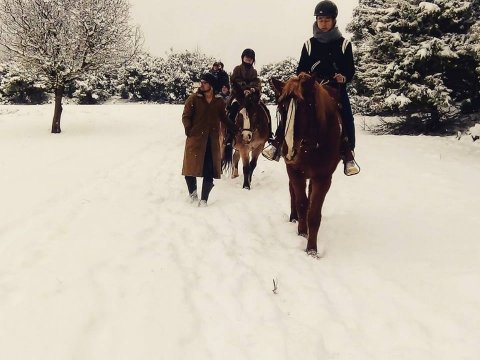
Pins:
x: 289, y: 129
x: 246, y: 133
x: 246, y: 119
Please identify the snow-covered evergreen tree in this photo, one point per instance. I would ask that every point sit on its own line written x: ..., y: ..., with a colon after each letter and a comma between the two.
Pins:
x: 65, y: 40
x: 281, y: 70
x: 416, y: 58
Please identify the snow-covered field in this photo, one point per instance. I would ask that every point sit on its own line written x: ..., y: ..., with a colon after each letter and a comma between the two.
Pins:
x: 101, y: 256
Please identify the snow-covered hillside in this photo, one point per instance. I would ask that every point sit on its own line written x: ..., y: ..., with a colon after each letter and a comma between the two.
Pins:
x: 102, y: 257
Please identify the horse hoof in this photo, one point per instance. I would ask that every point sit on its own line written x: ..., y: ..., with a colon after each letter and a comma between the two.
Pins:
x: 293, y: 219
x: 246, y: 187
x: 303, y: 234
x: 313, y: 254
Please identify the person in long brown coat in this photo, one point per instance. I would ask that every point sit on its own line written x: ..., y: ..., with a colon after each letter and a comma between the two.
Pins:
x: 201, y: 118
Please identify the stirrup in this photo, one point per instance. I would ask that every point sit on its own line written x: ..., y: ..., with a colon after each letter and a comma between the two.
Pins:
x: 271, y: 153
x: 351, y: 168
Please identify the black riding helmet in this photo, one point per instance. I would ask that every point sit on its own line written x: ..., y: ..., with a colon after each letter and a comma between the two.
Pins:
x: 326, y: 8
x: 250, y: 53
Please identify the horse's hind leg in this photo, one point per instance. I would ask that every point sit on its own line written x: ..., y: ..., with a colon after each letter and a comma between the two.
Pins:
x: 298, y: 183
x: 236, y: 158
x: 293, y: 206
x: 318, y: 191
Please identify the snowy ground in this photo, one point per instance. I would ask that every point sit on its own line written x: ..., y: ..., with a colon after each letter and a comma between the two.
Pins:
x: 101, y: 257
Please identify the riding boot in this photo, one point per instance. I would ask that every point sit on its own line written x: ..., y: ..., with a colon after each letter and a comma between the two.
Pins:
x: 233, y: 110
x: 231, y: 114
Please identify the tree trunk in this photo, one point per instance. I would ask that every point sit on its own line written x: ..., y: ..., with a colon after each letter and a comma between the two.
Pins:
x: 433, y: 122
x: 58, y: 109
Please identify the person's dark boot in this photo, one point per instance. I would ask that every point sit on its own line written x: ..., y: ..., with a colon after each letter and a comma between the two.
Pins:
x: 192, y: 188
x: 206, y: 188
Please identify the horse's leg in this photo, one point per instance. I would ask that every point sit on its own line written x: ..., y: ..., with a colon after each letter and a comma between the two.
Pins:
x: 236, y: 158
x: 293, y: 206
x: 246, y: 168
x: 298, y: 184
x: 318, y: 191
x: 253, y: 162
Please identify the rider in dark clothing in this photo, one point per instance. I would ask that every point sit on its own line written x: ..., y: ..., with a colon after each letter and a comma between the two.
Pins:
x: 245, y: 83
x: 328, y: 56
x: 222, y: 77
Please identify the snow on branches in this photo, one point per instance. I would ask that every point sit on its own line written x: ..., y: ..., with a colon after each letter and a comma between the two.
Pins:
x: 418, y: 57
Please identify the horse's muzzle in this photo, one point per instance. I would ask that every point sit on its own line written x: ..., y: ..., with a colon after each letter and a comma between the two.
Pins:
x: 247, y: 136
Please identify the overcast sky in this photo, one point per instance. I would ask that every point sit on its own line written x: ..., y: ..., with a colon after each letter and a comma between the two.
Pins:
x: 275, y: 29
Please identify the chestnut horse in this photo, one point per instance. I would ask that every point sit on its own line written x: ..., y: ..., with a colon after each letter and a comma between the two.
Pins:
x: 253, y: 120
x: 311, y: 150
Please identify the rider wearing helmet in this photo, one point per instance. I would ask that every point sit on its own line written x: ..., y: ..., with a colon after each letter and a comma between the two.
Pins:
x: 244, y: 76
x: 328, y: 56
x: 244, y: 82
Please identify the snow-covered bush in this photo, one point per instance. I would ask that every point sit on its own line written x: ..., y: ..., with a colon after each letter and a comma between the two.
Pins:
x: 282, y: 70
x: 169, y: 80
x: 18, y: 87
x: 140, y: 81
x: 181, y: 70
x: 94, y: 89
x: 474, y: 132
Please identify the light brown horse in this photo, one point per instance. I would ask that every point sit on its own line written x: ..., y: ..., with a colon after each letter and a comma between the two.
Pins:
x: 253, y: 120
x: 307, y: 108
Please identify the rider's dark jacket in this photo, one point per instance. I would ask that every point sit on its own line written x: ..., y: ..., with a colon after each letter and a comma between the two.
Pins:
x: 327, y: 59
x: 244, y: 78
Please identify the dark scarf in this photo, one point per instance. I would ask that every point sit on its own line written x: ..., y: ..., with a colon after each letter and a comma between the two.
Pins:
x: 326, y: 37
x: 247, y: 65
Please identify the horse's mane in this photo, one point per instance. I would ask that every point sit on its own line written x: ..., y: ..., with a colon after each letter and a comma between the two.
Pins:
x: 293, y: 87
x: 325, y: 103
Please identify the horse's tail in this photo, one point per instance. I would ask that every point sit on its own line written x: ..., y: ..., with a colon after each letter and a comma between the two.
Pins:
x: 227, y: 157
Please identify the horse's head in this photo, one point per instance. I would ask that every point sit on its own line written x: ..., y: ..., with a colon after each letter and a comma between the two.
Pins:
x: 245, y: 123
x: 301, y: 88
x: 304, y: 91
x: 250, y: 117
x: 306, y: 108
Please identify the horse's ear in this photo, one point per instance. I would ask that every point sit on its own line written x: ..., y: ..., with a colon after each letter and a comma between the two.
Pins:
x: 277, y: 86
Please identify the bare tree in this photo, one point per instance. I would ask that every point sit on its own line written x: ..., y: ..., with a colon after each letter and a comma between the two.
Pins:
x: 63, y: 40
